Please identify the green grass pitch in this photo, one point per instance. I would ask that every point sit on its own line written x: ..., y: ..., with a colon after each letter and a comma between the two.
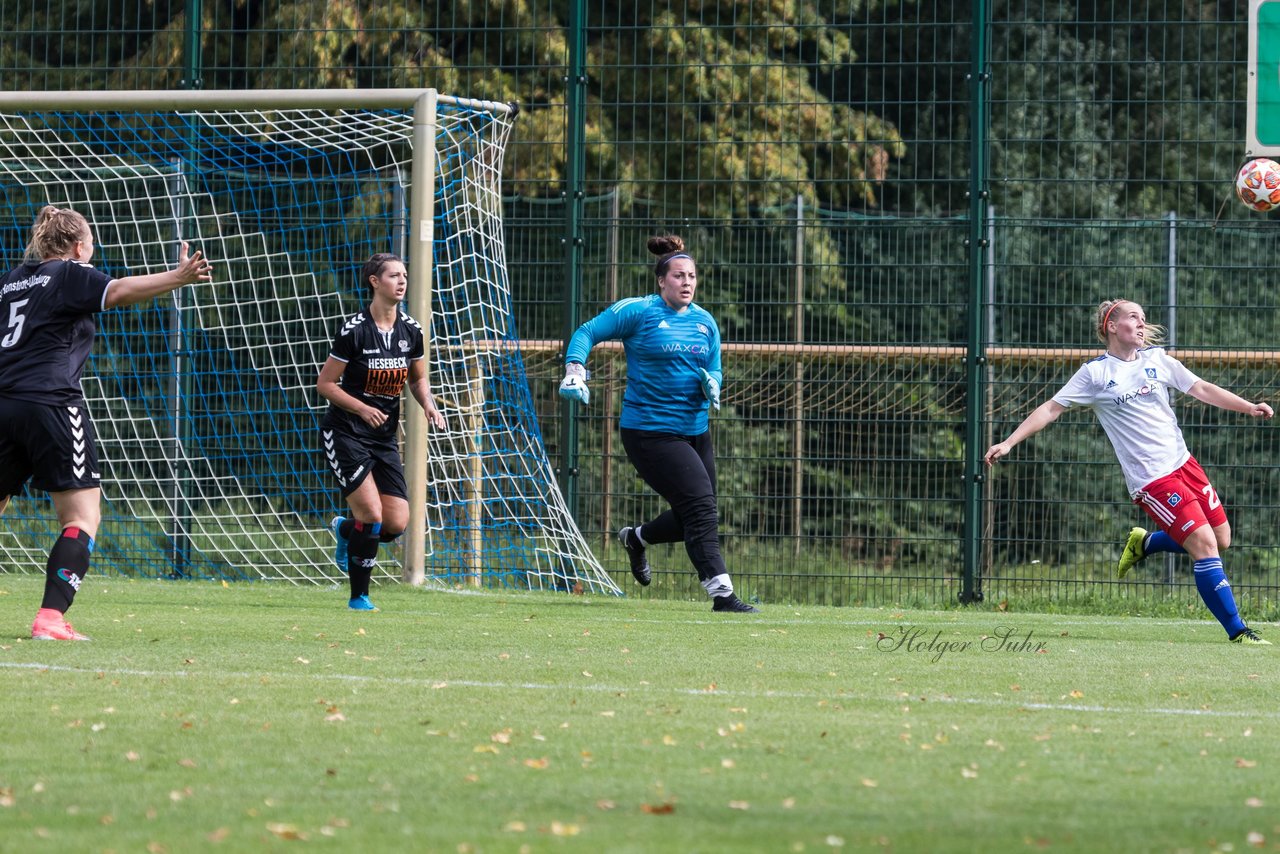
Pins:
x: 264, y: 717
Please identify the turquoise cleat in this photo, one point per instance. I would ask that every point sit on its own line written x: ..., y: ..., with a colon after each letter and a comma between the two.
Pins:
x: 340, y: 548
x: 361, y: 603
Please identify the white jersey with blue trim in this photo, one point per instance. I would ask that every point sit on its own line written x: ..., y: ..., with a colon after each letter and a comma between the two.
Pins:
x: 1131, y: 400
x: 664, y: 348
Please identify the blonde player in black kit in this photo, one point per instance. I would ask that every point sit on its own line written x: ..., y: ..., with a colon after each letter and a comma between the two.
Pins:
x: 46, y: 332
x: 375, y: 354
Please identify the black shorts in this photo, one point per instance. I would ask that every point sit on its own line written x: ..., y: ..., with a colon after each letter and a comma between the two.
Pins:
x: 353, y: 458
x: 52, y: 446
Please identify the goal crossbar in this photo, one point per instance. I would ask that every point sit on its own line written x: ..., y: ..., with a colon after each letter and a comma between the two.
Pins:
x: 259, y: 99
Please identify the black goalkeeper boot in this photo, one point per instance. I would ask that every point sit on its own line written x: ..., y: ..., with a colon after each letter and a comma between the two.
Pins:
x: 733, y: 604
x: 635, y: 551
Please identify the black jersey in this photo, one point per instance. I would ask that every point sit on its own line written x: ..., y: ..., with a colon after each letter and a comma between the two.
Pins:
x: 47, y: 328
x: 377, y: 369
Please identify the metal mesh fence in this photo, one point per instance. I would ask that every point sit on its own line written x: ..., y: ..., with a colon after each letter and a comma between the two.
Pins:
x: 823, y: 169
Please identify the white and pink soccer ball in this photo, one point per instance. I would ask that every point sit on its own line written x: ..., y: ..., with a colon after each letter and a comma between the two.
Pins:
x: 1258, y: 184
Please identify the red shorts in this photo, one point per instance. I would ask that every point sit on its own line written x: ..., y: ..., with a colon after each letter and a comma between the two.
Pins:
x: 1183, y: 501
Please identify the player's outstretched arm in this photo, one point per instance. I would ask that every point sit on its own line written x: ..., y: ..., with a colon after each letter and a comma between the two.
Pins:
x: 136, y: 289
x: 1044, y: 415
x: 1218, y: 396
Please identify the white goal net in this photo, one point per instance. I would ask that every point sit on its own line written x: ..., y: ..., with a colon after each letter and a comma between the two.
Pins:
x: 205, y: 403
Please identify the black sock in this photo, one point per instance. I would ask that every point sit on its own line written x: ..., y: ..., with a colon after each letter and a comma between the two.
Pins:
x: 345, y: 527
x: 388, y: 537
x: 362, y: 554
x: 68, y: 564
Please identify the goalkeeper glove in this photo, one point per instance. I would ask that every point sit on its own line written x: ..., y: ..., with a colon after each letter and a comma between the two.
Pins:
x: 710, y: 387
x: 574, y: 384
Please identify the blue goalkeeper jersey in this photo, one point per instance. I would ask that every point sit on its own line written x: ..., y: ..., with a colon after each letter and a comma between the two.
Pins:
x: 665, y: 348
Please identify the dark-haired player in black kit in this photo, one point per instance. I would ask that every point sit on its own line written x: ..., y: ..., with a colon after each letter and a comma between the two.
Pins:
x: 46, y: 331
x: 374, y: 355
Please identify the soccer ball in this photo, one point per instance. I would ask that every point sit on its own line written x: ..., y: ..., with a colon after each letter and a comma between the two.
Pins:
x: 1258, y: 184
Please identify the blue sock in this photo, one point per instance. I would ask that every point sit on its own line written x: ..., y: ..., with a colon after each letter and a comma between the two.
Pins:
x: 1159, y: 541
x: 1215, y: 590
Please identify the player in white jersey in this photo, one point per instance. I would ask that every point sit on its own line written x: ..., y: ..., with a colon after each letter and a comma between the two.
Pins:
x: 1127, y: 389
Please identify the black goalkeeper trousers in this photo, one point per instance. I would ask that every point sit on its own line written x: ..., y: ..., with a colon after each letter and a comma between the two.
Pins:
x: 682, y: 469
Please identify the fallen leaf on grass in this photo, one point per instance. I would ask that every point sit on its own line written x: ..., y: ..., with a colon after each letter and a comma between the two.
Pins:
x: 869, y: 783
x: 1245, y: 763
x: 739, y: 805
x: 537, y: 763
x: 559, y: 828
x: 1253, y: 802
x: 514, y: 827
x: 218, y: 835
x: 286, y: 831
x: 658, y: 809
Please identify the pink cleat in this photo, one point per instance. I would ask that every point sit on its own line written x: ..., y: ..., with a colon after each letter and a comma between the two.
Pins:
x: 52, y: 625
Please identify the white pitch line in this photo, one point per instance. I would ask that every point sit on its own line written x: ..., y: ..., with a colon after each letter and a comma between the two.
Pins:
x: 614, y: 689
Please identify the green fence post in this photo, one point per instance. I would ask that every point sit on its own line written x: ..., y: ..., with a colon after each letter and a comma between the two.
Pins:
x: 976, y: 359
x: 575, y: 138
x: 180, y: 377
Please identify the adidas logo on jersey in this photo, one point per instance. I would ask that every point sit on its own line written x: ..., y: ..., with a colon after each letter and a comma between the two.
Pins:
x: 662, y: 324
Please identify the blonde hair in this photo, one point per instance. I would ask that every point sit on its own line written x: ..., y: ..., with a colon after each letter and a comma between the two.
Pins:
x: 55, y: 232
x: 1154, y: 332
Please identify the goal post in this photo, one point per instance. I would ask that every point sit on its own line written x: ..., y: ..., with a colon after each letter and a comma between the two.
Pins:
x: 205, y: 404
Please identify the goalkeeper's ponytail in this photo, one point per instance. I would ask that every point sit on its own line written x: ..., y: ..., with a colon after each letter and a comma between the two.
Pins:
x: 667, y: 247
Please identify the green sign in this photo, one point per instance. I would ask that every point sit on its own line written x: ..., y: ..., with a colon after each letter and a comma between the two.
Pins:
x: 1264, y: 106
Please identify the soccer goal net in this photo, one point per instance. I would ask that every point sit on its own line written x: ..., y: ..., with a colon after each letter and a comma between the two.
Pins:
x: 205, y: 402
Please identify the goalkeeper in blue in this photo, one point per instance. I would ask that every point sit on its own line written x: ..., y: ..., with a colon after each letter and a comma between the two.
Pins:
x: 1127, y: 388
x: 375, y: 354
x: 672, y: 347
